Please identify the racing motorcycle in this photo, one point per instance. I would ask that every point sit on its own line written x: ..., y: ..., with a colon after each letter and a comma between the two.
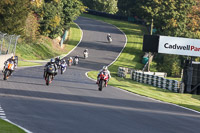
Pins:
x: 76, y: 60
x: 70, y: 61
x: 109, y: 39
x: 85, y: 54
x: 103, y: 78
x: 8, y: 69
x: 63, y: 66
x: 58, y: 63
x: 49, y: 74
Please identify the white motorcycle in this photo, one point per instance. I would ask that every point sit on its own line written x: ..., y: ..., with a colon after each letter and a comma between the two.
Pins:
x: 85, y: 54
x: 109, y: 39
x: 76, y: 60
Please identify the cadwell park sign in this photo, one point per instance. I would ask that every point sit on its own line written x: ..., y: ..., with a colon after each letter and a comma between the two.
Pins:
x: 171, y: 45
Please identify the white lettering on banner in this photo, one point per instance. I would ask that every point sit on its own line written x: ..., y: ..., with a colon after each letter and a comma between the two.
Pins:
x: 179, y: 46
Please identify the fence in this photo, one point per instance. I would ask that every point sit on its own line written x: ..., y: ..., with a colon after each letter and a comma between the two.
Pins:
x: 8, y: 43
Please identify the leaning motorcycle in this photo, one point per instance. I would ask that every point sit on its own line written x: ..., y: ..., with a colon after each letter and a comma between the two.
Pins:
x: 103, y: 78
x: 49, y: 74
x: 8, y: 69
x: 85, y: 55
x: 109, y: 39
x: 63, y: 67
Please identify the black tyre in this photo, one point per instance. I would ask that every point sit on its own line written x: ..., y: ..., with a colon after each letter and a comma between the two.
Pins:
x: 48, y: 79
x: 6, y: 74
x: 101, y: 84
x: 61, y: 70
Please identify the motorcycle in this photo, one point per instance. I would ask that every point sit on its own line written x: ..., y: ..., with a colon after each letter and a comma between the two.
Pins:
x: 85, y: 55
x: 63, y: 67
x: 8, y: 69
x: 109, y: 39
x: 103, y: 78
x: 76, y: 60
x: 49, y: 74
x: 58, y: 63
x: 70, y: 62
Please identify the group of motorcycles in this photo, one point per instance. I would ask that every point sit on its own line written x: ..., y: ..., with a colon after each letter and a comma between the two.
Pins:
x: 51, y: 69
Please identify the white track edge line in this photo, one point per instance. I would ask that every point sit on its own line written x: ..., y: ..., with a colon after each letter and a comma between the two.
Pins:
x: 86, y: 74
x: 42, y: 65
x: 27, y: 131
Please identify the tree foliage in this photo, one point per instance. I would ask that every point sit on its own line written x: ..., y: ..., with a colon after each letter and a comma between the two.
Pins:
x: 13, y: 14
x: 108, y: 6
x: 56, y: 16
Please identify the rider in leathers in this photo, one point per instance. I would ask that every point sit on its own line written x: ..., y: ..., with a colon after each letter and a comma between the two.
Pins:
x: 104, y: 69
x: 11, y: 59
x: 52, y: 61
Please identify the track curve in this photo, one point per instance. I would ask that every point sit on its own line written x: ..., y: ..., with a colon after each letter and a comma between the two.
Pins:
x: 73, y: 104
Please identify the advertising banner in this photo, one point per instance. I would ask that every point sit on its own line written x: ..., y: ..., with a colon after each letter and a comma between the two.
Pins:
x: 179, y: 46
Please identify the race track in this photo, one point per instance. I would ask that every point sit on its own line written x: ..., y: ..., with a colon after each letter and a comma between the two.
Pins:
x: 73, y: 104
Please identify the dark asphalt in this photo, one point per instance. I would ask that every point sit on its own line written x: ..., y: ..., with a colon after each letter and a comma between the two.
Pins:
x: 72, y: 103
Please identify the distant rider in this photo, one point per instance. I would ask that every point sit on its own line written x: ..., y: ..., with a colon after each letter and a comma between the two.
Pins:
x: 52, y: 62
x: 108, y: 37
x: 106, y: 71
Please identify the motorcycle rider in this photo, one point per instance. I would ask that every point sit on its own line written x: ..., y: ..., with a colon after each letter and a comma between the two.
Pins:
x: 108, y: 37
x: 106, y: 71
x: 52, y: 61
x: 85, y: 52
x: 76, y: 58
x: 57, y: 60
x: 12, y: 60
x: 70, y: 61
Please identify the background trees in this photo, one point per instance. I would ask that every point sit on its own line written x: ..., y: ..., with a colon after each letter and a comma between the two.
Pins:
x: 13, y: 14
x: 108, y: 6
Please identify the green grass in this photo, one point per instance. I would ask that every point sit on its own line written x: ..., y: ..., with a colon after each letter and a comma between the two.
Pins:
x: 6, y: 127
x: 25, y: 63
x: 43, y: 48
x: 131, y: 57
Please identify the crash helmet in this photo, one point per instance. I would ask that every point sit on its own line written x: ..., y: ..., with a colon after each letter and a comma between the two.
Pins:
x: 108, y: 34
x: 13, y: 58
x: 52, y: 60
x: 105, y: 68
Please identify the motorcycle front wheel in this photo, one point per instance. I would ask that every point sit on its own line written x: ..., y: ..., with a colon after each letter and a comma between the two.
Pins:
x: 101, y: 85
x: 6, y: 74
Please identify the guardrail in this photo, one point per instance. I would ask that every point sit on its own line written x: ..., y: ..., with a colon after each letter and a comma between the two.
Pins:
x: 157, y: 81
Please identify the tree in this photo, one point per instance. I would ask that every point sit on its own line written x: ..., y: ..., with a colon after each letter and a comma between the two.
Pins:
x: 126, y: 7
x: 13, y: 14
x: 56, y: 16
x: 108, y: 6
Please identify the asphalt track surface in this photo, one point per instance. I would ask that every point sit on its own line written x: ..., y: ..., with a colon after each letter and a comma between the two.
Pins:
x: 72, y: 103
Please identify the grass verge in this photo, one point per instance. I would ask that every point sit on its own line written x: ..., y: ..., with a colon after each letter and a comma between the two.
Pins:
x: 6, y: 127
x: 44, y: 48
x: 131, y: 58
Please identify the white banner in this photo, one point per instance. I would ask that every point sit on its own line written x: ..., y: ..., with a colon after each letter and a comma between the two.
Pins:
x: 179, y: 46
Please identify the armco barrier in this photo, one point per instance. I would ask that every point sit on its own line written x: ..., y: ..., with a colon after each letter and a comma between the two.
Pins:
x: 3, y: 58
x: 156, y: 81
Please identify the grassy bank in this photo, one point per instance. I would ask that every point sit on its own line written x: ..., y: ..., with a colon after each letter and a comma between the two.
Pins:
x: 131, y: 57
x: 45, y: 48
x: 6, y: 127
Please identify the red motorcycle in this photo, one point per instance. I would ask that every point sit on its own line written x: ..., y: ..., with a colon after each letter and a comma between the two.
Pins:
x: 103, y: 78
